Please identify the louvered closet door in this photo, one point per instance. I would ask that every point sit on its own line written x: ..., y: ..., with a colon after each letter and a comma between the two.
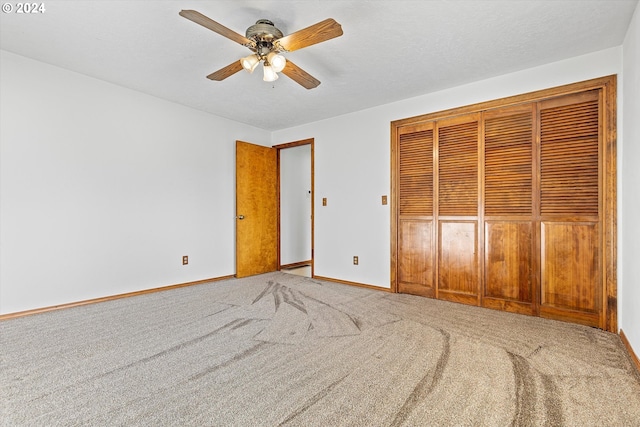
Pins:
x: 571, y: 276
x: 457, y: 207
x: 509, y: 136
x: 511, y: 204
x: 415, y: 207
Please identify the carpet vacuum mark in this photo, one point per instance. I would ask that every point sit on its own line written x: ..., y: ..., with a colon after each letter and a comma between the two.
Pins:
x: 280, y: 349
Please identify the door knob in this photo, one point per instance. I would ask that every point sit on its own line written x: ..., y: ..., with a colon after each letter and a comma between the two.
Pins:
x: 240, y: 217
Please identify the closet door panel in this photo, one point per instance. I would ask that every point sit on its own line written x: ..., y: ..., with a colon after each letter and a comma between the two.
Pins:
x: 570, y: 288
x: 508, y: 162
x: 569, y: 157
x: 458, y: 166
x: 415, y: 258
x: 416, y: 171
x: 458, y: 261
x: 508, y: 264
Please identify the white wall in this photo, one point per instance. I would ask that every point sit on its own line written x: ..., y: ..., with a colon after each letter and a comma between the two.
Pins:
x: 103, y: 189
x: 629, y: 269
x: 352, y: 163
x: 295, y: 204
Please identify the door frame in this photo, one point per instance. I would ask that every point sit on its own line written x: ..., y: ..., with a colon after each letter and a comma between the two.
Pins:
x: 279, y: 147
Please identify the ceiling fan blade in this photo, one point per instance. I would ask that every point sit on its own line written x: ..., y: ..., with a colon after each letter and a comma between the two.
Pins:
x: 209, y: 23
x: 317, y: 33
x: 300, y: 76
x: 225, y: 72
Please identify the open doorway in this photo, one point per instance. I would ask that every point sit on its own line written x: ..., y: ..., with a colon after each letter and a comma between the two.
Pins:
x: 295, y: 190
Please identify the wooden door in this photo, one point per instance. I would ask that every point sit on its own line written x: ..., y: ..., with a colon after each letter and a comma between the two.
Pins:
x: 570, y: 168
x: 457, y: 208
x: 509, y: 188
x: 256, y: 209
x: 415, y: 210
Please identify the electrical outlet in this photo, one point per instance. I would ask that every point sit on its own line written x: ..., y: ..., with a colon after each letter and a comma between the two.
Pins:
x: 324, y: 201
x: 384, y: 200
x: 185, y: 260
x: 355, y: 260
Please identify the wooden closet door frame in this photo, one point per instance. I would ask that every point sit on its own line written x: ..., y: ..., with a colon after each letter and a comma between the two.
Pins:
x: 608, y: 250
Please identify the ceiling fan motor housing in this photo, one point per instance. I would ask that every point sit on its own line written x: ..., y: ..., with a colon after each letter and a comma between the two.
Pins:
x: 263, y: 30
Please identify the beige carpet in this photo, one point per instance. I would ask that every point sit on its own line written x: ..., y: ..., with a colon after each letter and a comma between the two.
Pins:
x: 281, y: 349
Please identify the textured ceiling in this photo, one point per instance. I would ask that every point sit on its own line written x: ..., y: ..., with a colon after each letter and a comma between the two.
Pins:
x: 390, y: 50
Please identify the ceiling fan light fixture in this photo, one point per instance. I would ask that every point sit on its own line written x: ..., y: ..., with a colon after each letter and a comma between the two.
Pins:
x: 269, y: 74
x: 250, y: 62
x: 266, y: 42
x: 276, y: 61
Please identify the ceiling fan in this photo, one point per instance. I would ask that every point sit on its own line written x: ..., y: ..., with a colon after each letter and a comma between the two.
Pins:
x: 267, y: 43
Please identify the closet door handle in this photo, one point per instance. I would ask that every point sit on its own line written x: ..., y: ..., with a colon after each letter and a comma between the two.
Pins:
x: 240, y: 217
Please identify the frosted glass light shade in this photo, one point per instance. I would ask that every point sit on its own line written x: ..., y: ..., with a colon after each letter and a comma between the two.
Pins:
x: 269, y: 74
x: 250, y: 62
x: 276, y: 61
